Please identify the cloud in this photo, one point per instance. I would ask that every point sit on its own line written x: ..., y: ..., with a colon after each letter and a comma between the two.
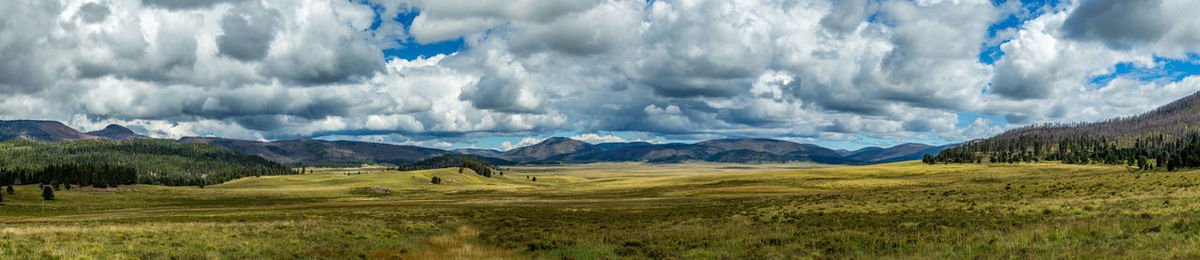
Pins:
x: 1119, y: 24
x: 247, y: 35
x: 847, y: 15
x: 324, y: 48
x: 93, y: 12
x: 506, y: 145
x: 184, y: 4
x: 851, y: 70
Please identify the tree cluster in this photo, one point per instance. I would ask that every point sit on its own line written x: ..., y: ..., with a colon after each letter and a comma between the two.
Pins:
x: 479, y: 168
x: 480, y: 165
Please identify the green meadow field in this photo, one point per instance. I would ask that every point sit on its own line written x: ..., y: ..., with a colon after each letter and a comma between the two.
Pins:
x: 628, y: 210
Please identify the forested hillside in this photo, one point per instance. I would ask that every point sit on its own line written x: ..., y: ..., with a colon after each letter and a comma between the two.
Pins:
x: 1166, y: 137
x: 1171, y: 121
x: 151, y: 162
x: 484, y: 166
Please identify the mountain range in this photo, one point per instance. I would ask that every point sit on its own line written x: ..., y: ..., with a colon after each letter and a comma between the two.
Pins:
x: 566, y: 150
x: 553, y: 150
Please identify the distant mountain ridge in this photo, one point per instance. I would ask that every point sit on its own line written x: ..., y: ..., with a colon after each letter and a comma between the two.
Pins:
x: 41, y: 131
x: 479, y: 152
x: 899, y: 153
x: 549, y: 148
x: 755, y: 150
x: 306, y: 152
x: 323, y: 153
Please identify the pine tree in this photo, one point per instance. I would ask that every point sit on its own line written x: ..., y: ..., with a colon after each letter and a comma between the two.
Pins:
x: 534, y: 179
x: 47, y: 193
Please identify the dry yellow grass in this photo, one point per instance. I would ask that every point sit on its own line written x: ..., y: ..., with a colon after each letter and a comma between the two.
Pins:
x: 900, y: 210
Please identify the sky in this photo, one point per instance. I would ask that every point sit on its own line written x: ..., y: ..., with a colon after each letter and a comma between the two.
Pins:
x: 505, y: 73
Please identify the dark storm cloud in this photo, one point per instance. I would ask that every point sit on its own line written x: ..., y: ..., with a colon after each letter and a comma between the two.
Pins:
x: 247, y: 39
x: 496, y: 92
x: 262, y: 122
x: 1021, y: 85
x: 252, y: 102
x: 23, y: 26
x: 327, y: 61
x: 93, y: 12
x: 1119, y: 24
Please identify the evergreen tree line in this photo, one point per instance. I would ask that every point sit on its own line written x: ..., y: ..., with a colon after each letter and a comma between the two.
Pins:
x: 1145, y: 153
x: 159, y: 162
x: 96, y: 175
x: 482, y: 166
x: 479, y: 168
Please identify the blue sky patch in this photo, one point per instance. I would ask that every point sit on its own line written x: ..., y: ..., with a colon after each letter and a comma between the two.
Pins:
x: 1029, y: 10
x: 1163, y: 70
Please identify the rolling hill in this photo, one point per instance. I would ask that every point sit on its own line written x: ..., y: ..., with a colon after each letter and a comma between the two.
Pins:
x: 454, y: 160
x: 553, y: 147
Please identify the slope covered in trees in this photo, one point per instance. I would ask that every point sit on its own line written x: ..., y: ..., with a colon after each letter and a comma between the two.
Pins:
x: 1166, y: 137
x: 86, y: 162
x: 481, y: 165
x: 1171, y: 121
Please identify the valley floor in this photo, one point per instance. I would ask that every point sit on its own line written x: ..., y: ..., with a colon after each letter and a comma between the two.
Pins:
x: 615, y: 210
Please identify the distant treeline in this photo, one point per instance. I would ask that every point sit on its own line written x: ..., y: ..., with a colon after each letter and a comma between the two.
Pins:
x: 99, y: 176
x: 1144, y: 153
x: 480, y: 165
x: 104, y: 162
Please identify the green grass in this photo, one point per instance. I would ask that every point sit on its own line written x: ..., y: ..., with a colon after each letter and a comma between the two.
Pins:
x: 624, y: 210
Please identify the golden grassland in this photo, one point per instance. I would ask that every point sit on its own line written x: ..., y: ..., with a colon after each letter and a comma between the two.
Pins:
x: 628, y: 210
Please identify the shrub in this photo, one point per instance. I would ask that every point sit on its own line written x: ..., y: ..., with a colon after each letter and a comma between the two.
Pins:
x: 535, y: 179
x: 370, y: 191
x: 47, y: 193
x: 436, y: 180
x: 10, y: 189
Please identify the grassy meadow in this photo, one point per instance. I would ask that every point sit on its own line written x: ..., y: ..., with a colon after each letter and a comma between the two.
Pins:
x: 628, y: 210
